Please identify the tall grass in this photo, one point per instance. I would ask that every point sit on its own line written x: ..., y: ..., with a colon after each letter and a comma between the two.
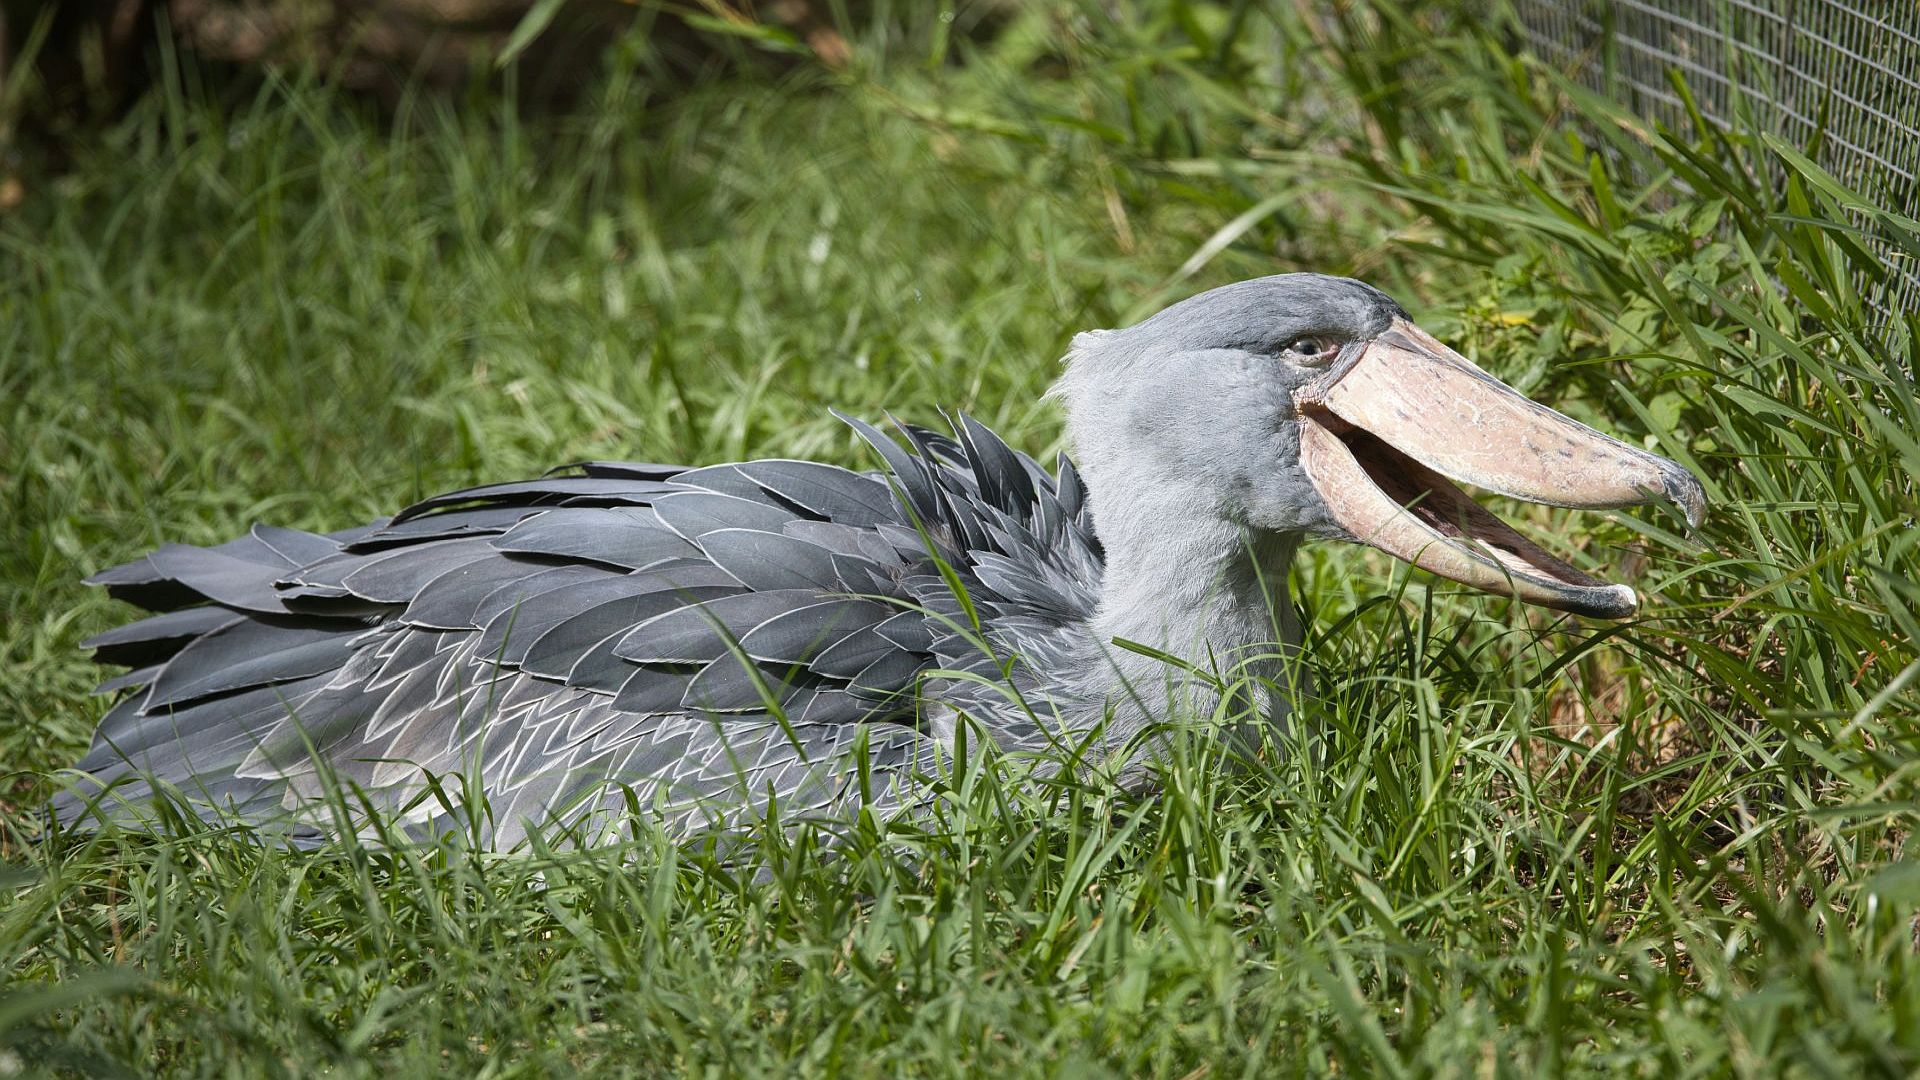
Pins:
x: 1500, y: 841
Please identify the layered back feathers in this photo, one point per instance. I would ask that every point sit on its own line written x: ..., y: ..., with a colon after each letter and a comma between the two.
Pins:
x: 707, y: 641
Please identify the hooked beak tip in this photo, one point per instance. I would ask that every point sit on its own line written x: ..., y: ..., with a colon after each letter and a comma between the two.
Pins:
x: 1685, y: 492
x: 1620, y: 602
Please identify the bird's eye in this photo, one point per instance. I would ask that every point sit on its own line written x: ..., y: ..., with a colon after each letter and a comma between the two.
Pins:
x: 1312, y: 349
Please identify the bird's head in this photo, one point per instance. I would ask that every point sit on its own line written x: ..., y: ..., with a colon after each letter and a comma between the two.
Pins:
x: 1308, y: 404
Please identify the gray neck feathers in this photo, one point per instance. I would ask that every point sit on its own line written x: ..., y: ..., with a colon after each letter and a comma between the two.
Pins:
x: 1180, y: 577
x: 1183, y: 581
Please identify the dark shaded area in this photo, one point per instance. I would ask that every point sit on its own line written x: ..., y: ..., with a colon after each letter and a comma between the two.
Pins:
x: 65, y: 68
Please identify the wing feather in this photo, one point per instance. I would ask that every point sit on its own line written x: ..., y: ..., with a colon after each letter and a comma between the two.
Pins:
x: 850, y: 655
x: 513, y: 633
x: 157, y: 637
x: 1004, y: 483
x: 770, y: 561
x: 804, y: 633
x: 295, y: 548
x: 398, y: 577
x: 630, y: 537
x: 248, y: 653
x: 526, y: 590
x: 448, y: 602
x: 693, y: 514
x: 224, y: 577
x: 698, y: 633
x: 828, y: 492
x: 728, y: 685
x: 575, y: 490
x: 556, y: 650
x: 444, y: 525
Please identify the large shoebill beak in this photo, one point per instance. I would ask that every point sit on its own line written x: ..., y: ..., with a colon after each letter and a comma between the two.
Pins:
x: 1394, y: 419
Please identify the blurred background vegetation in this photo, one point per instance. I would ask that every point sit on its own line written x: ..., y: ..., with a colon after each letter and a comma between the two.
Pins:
x: 302, y: 262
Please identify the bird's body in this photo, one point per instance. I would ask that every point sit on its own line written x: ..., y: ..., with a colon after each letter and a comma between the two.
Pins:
x: 696, y: 637
x: 704, y: 643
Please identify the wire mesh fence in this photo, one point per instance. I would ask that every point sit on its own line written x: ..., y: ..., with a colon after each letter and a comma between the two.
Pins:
x: 1845, y: 70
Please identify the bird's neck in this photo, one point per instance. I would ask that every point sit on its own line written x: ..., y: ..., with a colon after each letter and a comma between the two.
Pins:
x: 1183, y: 582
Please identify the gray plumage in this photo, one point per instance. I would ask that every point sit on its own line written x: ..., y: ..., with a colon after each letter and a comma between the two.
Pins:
x: 706, y: 641
x: 676, y: 634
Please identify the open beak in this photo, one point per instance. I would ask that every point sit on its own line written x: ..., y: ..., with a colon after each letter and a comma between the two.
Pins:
x: 1387, y: 427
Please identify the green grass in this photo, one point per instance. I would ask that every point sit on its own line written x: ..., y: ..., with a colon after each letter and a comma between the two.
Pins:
x: 1503, y: 843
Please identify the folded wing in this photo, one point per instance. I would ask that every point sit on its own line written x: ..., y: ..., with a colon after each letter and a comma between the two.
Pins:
x: 702, y: 640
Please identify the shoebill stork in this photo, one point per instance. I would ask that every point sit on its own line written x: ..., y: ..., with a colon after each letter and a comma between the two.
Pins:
x: 706, y: 641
